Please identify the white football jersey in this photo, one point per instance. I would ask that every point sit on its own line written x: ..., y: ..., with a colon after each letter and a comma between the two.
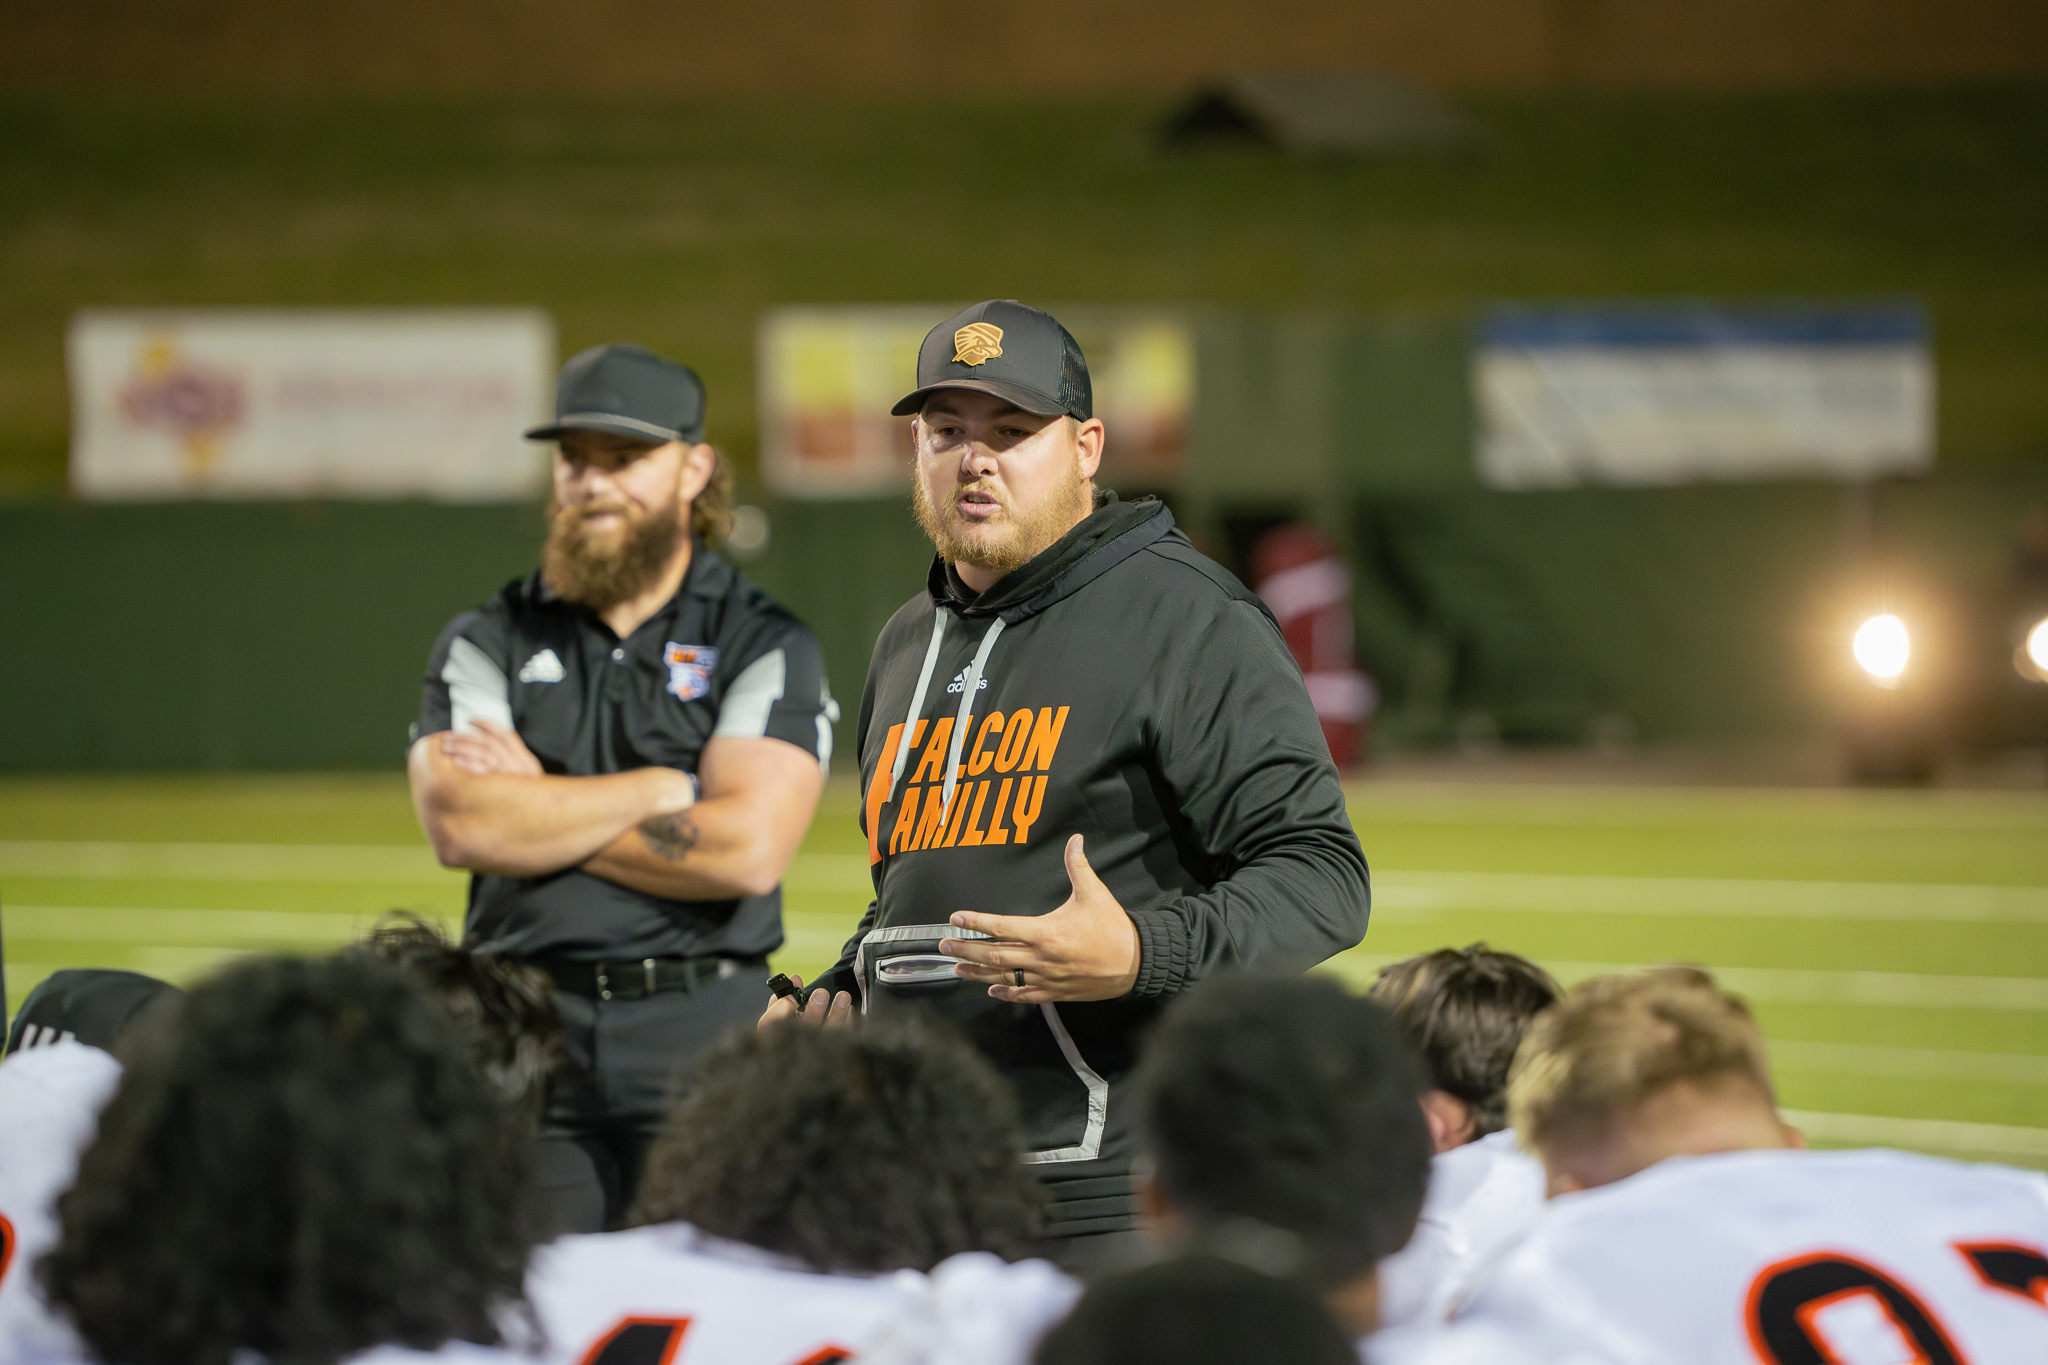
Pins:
x: 977, y: 1310
x: 1481, y: 1197
x: 1475, y: 1343
x: 1789, y: 1258
x: 673, y: 1295
x: 50, y: 1101
x: 454, y: 1353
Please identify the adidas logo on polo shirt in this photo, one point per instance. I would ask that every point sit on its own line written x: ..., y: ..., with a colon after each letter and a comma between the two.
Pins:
x: 543, y: 667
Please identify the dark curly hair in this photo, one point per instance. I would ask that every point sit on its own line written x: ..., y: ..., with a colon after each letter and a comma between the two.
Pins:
x: 505, y: 1009
x: 1464, y: 1011
x: 1290, y: 1103
x: 302, y: 1162
x: 889, y: 1146
x: 1197, y: 1310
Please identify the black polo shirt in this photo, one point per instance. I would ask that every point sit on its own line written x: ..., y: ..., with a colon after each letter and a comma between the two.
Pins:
x: 721, y: 658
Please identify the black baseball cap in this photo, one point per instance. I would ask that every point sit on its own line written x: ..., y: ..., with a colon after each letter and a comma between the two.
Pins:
x: 628, y: 391
x: 91, y: 1004
x: 1021, y: 355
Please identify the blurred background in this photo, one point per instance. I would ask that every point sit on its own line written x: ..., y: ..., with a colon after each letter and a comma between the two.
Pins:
x: 1636, y: 411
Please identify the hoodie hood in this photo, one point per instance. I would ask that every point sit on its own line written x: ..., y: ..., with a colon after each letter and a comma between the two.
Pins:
x: 1105, y: 538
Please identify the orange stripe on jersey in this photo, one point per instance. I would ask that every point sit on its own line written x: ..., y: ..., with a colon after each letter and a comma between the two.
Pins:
x: 639, y: 1341
x: 2011, y: 1266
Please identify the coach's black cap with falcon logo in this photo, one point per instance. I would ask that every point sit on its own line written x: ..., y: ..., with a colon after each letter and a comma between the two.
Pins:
x: 1019, y: 354
x: 628, y: 391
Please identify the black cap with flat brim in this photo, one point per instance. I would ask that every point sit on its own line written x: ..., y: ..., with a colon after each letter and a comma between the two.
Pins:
x: 1020, y: 355
x: 90, y: 1004
x: 627, y: 391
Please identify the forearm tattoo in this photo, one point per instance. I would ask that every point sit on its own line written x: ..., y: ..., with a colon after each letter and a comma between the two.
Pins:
x: 669, y: 837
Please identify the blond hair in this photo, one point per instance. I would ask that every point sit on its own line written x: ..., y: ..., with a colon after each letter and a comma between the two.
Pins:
x: 1616, y: 1041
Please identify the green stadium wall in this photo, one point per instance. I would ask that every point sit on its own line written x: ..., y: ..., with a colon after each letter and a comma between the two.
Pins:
x: 192, y: 636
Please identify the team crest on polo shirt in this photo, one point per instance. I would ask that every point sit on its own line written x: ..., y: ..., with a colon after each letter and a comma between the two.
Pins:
x: 689, y: 669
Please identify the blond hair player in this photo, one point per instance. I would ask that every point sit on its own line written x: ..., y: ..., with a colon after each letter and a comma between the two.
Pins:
x: 1688, y: 1227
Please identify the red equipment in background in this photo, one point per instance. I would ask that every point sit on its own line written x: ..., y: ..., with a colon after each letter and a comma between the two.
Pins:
x: 1298, y: 572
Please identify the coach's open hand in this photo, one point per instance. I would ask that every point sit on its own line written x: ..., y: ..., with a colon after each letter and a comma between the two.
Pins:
x: 1087, y: 949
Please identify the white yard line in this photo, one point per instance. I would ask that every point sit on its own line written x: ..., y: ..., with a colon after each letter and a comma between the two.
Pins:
x: 222, y: 862
x: 1936, y: 1064
x: 1397, y: 892
x: 144, y: 924
x: 2000, y: 1140
x: 1791, y: 986
x: 1707, y: 897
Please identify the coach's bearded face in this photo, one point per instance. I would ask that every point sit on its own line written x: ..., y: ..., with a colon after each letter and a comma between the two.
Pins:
x: 605, y: 549
x: 996, y: 486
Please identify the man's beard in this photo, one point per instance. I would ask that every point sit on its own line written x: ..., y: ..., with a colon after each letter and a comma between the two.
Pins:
x: 1030, y: 532
x: 602, y: 570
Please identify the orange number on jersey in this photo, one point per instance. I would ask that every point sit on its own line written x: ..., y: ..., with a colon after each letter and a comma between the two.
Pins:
x: 639, y: 1341
x: 1787, y: 1298
x: 2021, y: 1270
x: 6, y: 1245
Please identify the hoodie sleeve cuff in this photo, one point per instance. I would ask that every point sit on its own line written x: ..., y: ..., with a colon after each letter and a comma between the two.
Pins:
x: 1163, y: 957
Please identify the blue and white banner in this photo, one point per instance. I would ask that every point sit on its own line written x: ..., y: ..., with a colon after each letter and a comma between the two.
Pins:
x: 1652, y: 395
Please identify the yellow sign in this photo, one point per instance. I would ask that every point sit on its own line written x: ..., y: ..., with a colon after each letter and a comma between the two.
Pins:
x: 830, y: 375
x: 977, y: 343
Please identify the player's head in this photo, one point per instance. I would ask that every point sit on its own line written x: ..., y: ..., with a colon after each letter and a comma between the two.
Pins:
x: 1281, y: 1112
x: 889, y: 1146
x: 1197, y: 1310
x: 1638, y: 1066
x: 301, y: 1163
x: 632, y: 474
x: 505, y: 1009
x: 1464, y: 1011
x: 1007, y: 442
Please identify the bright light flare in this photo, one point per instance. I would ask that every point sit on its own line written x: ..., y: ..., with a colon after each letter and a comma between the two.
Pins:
x: 2037, y: 646
x: 1881, y: 647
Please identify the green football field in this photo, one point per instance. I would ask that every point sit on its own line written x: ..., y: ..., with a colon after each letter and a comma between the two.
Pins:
x: 1894, y: 944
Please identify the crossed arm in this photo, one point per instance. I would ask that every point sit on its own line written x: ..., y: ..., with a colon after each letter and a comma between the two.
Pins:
x: 487, y: 806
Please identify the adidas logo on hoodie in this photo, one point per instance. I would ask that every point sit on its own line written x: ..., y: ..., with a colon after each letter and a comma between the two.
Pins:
x: 960, y: 681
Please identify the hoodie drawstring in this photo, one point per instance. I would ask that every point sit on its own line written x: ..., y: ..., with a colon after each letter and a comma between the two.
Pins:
x: 960, y: 722
x: 972, y: 684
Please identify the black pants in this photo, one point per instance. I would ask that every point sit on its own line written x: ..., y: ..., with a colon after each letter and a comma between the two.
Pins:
x: 628, y: 1060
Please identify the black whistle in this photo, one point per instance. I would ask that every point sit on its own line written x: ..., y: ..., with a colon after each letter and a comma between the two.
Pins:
x: 784, y: 988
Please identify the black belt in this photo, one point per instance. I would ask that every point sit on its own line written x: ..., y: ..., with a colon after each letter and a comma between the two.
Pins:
x: 635, y: 980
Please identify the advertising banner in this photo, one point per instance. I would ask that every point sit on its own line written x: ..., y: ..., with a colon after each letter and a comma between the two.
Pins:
x: 1651, y: 395
x: 233, y: 403
x: 828, y: 376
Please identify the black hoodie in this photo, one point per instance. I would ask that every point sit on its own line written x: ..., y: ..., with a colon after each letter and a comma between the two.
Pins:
x: 1126, y: 687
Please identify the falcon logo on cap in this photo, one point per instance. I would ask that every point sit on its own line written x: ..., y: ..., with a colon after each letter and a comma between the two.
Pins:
x: 977, y: 343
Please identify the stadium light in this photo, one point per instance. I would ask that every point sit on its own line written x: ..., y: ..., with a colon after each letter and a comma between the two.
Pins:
x: 2037, y: 649
x: 1881, y: 648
